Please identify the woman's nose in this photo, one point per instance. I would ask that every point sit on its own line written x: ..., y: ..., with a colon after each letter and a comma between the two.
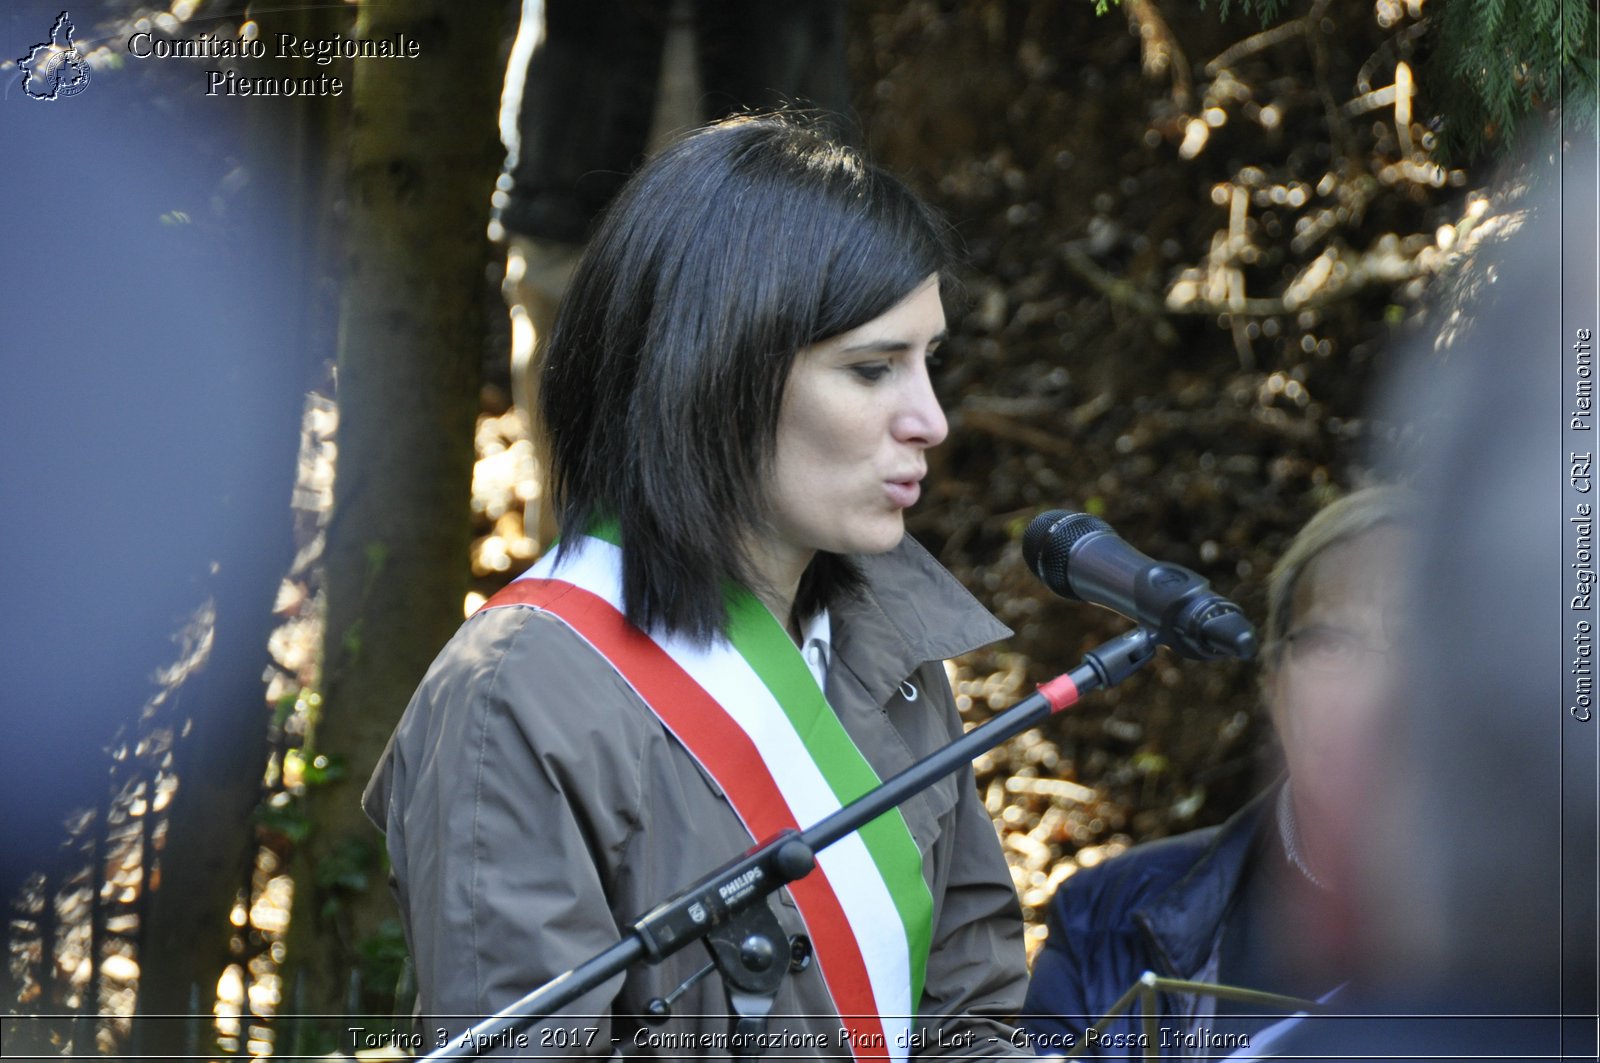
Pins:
x: 921, y: 421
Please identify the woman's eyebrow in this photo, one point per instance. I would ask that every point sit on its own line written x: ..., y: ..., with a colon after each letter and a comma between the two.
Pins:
x: 891, y: 346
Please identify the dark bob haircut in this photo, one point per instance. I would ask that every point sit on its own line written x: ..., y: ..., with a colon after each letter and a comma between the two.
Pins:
x: 724, y: 256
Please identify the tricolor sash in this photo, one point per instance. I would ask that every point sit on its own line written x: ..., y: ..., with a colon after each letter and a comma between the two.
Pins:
x: 750, y: 712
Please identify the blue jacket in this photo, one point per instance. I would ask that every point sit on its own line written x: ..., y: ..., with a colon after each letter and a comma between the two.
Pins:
x: 1158, y: 907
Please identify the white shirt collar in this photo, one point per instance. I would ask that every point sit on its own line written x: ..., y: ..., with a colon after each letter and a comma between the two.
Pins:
x: 816, y: 646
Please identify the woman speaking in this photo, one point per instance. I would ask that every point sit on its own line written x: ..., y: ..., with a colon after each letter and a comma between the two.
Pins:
x: 734, y: 636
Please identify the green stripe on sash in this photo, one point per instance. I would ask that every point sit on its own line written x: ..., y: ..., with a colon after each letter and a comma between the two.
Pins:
x: 764, y: 644
x: 761, y: 640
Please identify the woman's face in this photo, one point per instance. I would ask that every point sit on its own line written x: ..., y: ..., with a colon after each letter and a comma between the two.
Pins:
x: 857, y: 415
x: 1334, y: 683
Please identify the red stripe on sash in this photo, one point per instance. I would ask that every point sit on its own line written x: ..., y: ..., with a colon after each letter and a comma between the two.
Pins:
x: 699, y: 722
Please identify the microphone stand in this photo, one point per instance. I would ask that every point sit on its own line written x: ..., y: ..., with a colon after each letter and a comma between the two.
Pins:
x: 727, y: 907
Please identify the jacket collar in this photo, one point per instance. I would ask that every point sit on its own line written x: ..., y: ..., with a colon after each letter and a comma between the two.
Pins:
x: 1185, y: 918
x: 911, y: 611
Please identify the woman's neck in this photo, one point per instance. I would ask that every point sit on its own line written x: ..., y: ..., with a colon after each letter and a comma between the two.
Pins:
x: 777, y: 570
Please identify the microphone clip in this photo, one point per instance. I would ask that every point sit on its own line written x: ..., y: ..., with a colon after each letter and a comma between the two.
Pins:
x: 752, y: 953
x: 1114, y: 661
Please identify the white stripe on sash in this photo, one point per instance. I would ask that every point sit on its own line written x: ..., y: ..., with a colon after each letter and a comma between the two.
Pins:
x: 729, y: 679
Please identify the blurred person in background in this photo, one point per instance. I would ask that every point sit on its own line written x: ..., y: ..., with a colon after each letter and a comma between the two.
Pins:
x: 591, y: 87
x: 1474, y: 891
x: 152, y: 380
x: 1217, y: 905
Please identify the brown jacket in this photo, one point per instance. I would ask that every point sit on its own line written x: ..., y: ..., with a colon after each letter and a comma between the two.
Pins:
x: 533, y: 804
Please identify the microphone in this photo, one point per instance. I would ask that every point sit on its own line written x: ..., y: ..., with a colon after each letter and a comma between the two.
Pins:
x: 1079, y: 556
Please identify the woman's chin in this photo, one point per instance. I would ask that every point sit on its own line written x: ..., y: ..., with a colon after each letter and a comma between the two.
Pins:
x: 880, y: 539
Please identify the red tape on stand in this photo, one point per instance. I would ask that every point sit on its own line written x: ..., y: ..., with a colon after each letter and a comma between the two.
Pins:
x: 1060, y: 692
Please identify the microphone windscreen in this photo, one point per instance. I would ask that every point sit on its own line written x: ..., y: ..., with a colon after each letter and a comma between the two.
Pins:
x: 1037, y: 535
x: 1048, y: 541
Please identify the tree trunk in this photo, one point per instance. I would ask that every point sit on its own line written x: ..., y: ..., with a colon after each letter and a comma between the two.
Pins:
x: 423, y: 158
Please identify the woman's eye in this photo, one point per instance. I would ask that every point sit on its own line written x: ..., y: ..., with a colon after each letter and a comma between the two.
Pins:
x: 1334, y: 647
x: 871, y: 372
x: 935, y: 358
x: 1324, y: 649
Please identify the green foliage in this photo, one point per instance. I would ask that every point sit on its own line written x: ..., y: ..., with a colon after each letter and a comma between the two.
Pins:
x: 383, y: 956
x: 283, y: 711
x: 1265, y: 10
x: 1494, y: 63
x: 325, y: 768
x: 288, y: 819
x: 305, y: 1039
x: 352, y: 641
x: 377, y: 560
x: 346, y: 869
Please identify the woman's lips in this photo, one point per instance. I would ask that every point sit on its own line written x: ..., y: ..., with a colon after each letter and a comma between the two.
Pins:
x: 903, y: 493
